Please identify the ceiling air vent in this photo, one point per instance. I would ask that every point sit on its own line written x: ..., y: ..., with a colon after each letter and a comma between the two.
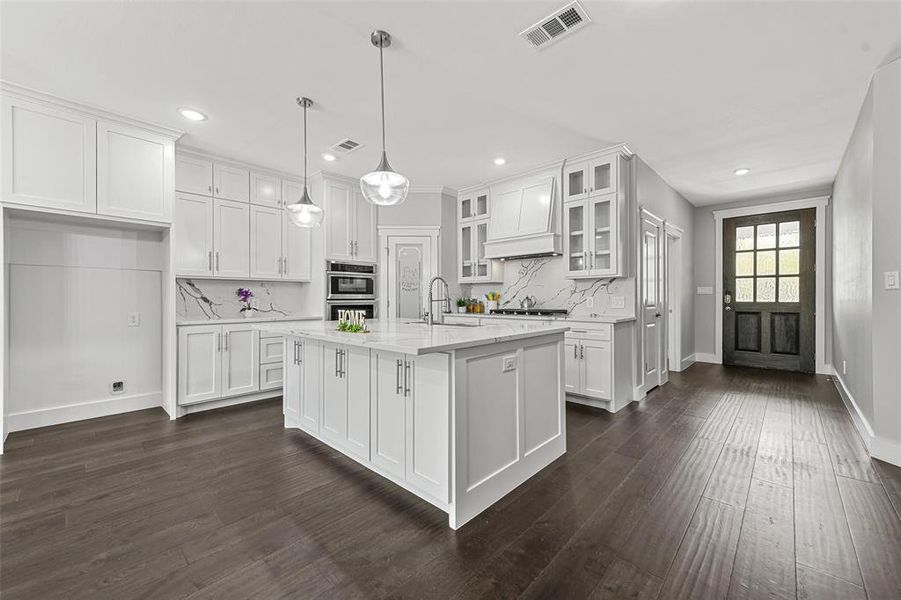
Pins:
x: 346, y: 146
x: 556, y: 25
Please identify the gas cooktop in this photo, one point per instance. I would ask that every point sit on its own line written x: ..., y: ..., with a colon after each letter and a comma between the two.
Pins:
x: 538, y: 312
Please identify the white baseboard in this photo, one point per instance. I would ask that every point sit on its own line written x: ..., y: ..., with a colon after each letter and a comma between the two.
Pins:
x: 886, y: 450
x: 705, y: 357
x: 857, y: 417
x: 688, y: 361
x: 253, y: 397
x: 84, y: 410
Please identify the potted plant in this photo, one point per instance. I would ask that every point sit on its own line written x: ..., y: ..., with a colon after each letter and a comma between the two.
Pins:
x: 492, y: 301
x: 461, y: 305
x: 244, y: 295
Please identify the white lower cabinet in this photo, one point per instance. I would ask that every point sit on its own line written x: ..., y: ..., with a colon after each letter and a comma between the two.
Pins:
x: 390, y: 411
x: 217, y: 361
x: 589, y: 364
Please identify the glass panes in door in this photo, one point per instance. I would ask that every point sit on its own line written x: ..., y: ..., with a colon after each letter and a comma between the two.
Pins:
x: 466, y: 268
x: 481, y: 238
x: 768, y: 262
x: 408, y: 277
x: 601, y: 233
x: 575, y: 228
x: 466, y: 208
x: 481, y: 207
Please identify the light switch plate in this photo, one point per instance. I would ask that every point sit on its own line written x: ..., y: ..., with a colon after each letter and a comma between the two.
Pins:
x: 134, y: 319
x: 891, y: 280
x: 617, y: 302
x: 509, y: 363
x: 705, y: 291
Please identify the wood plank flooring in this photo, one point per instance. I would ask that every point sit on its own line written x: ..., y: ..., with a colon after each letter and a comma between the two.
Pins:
x: 725, y: 483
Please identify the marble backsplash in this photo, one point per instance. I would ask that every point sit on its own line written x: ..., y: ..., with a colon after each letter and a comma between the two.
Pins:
x: 544, y: 279
x: 197, y: 299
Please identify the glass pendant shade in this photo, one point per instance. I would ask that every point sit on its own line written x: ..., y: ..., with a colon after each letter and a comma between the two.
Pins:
x: 384, y: 186
x: 304, y: 213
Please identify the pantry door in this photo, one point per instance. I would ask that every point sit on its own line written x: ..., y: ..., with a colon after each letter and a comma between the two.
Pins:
x: 769, y: 291
x: 410, y: 268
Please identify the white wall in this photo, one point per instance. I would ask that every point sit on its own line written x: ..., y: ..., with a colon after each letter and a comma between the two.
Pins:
x: 71, y: 287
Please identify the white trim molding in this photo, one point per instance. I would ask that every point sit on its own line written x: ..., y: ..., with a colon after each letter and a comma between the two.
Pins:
x: 84, y: 410
x: 707, y: 357
x: 819, y: 203
x: 688, y: 361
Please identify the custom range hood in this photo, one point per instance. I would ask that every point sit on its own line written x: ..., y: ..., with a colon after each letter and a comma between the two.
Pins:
x: 524, y: 219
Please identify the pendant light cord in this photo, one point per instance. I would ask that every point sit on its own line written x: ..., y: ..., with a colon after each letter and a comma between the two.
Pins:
x: 305, y: 146
x: 382, y: 75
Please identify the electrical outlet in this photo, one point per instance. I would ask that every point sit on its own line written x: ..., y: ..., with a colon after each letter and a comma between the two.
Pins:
x: 589, y: 302
x: 509, y: 363
x: 705, y: 291
x: 617, y: 302
x: 891, y: 280
x: 844, y: 367
x: 117, y: 387
x: 134, y: 319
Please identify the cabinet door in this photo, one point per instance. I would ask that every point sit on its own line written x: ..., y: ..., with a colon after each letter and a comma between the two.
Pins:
x: 334, y: 395
x: 231, y: 238
x: 265, y: 242
x: 265, y: 189
x: 193, y: 235
x: 338, y: 221
x: 389, y: 413
x: 356, y: 368
x: 365, y: 238
x: 135, y: 169
x: 293, y: 382
x: 480, y: 205
x: 49, y: 157
x: 193, y: 175
x: 199, y: 363
x: 310, y: 356
x: 597, y: 363
x: 483, y: 265
x: 575, y: 181
x: 292, y: 191
x: 240, y: 359
x: 271, y: 376
x: 428, y: 411
x: 465, y: 245
x: 573, y: 365
x: 603, y: 235
x: 231, y: 183
x: 271, y: 349
x: 575, y: 250
x: 297, y: 249
x: 602, y: 173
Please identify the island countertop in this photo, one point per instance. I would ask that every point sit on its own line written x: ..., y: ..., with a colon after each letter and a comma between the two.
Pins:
x: 414, y: 337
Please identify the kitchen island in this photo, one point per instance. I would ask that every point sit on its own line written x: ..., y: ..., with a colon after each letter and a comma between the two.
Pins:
x: 459, y: 416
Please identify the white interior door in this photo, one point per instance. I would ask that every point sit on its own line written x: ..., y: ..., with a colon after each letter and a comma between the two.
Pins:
x: 410, y: 269
x: 652, y: 305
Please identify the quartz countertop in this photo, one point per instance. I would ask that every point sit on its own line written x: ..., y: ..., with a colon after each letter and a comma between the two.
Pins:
x: 416, y: 337
x: 562, y: 318
x: 270, y: 319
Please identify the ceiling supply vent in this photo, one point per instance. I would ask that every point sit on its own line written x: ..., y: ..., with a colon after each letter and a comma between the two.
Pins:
x: 346, y: 146
x: 556, y: 25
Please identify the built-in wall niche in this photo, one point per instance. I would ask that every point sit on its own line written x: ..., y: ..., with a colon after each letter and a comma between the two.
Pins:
x: 215, y: 299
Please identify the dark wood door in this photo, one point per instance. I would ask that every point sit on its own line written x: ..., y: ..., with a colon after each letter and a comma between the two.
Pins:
x: 769, y: 291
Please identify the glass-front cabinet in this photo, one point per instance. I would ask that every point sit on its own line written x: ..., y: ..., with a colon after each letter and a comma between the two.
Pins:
x: 473, y: 211
x: 591, y: 216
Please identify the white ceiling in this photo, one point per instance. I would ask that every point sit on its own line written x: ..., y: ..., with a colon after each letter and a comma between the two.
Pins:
x: 696, y: 88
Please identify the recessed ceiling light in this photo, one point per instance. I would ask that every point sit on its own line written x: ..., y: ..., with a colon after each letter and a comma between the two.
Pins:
x: 328, y: 156
x: 742, y: 171
x: 500, y: 161
x: 191, y: 114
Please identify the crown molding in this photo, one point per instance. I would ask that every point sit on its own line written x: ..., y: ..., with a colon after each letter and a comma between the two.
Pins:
x: 19, y: 91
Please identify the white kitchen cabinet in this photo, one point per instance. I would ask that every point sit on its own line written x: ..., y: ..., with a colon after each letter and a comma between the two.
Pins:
x: 49, y: 156
x: 311, y: 355
x: 597, y: 376
x: 292, y: 191
x: 297, y: 251
x: 596, y: 174
x: 573, y: 366
x: 271, y: 377
x: 231, y: 239
x: 345, y: 398
x: 293, y: 393
x: 271, y: 349
x: 473, y: 204
x: 199, y: 364
x: 265, y: 189
x: 193, y: 235
x: 389, y: 409
x: 231, y: 182
x: 473, y: 214
x: 592, y: 237
x: 266, y: 242
x: 240, y: 359
x: 350, y: 223
x: 193, y: 175
x: 135, y: 172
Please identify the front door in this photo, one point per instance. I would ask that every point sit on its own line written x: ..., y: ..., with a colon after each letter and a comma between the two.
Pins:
x: 769, y: 290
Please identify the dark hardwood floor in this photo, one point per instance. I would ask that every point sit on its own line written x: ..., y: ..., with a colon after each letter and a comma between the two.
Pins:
x: 726, y: 482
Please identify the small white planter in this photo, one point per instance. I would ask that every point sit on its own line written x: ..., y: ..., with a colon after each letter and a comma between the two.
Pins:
x: 249, y: 314
x: 461, y: 310
x: 490, y: 305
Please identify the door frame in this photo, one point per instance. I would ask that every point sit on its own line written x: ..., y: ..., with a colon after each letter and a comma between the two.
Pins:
x: 673, y: 290
x: 819, y: 203
x: 389, y: 231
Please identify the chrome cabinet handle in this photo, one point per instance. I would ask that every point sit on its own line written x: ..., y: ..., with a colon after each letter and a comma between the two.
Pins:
x: 218, y: 342
x: 284, y: 265
x: 398, y: 388
x: 217, y: 189
x: 336, y: 363
x: 226, y: 340
x: 209, y: 188
x: 575, y: 351
x: 581, y: 352
x: 217, y: 261
x: 350, y: 248
x: 210, y: 260
x: 406, y: 378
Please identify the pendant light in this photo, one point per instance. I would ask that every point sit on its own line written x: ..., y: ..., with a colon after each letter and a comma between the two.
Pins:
x: 303, y: 212
x: 384, y: 186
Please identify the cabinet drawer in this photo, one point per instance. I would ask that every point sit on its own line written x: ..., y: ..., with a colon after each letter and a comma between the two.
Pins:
x: 271, y: 376
x: 592, y: 331
x: 272, y: 350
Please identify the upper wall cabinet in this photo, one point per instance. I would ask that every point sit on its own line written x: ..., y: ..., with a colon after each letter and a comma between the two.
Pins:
x: 135, y: 170
x: 595, y: 175
x: 65, y: 158
x: 231, y: 182
x: 350, y: 221
x: 49, y: 156
x: 197, y: 174
x: 473, y: 213
x: 193, y: 175
x: 265, y: 189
